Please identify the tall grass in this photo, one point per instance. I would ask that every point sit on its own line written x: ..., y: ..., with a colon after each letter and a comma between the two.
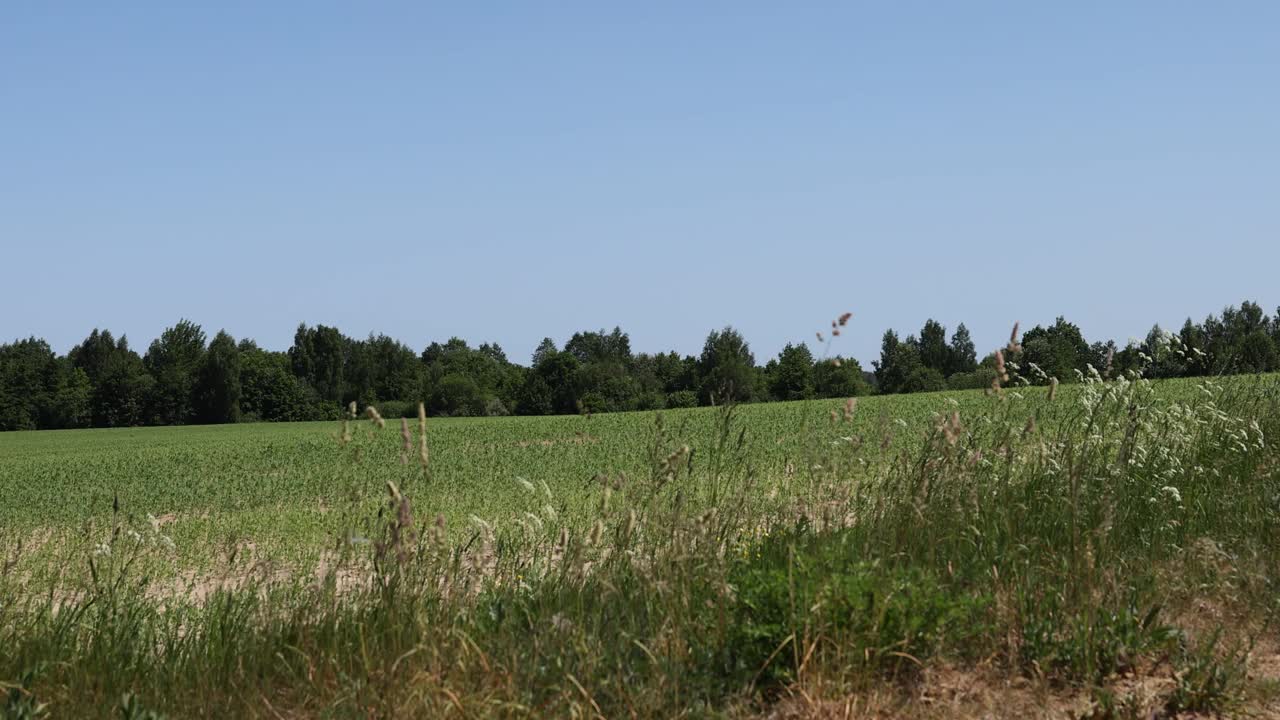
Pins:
x: 1053, y: 536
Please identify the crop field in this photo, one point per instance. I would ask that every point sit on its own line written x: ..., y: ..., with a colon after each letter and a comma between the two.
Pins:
x: 285, y: 485
x: 1105, y: 549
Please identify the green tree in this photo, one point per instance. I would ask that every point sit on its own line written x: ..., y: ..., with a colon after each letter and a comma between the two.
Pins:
x: 457, y: 395
x: 727, y: 367
x: 535, y: 396
x: 120, y: 382
x: 1058, y: 350
x: 601, y: 346
x: 611, y: 387
x: 270, y: 391
x: 318, y: 357
x: 1099, y: 352
x: 218, y: 382
x: 32, y: 381
x: 1233, y: 343
x: 840, y: 377
x: 71, y: 400
x: 380, y: 369
x: 897, y: 369
x: 545, y: 350
x: 487, y: 366
x: 923, y: 379
x: 1166, y: 353
x: 1192, y: 337
x: 791, y: 376
x: 660, y: 374
x: 962, y: 357
x: 560, y: 372
x: 934, y: 353
x: 603, y: 381
x: 1256, y: 352
x: 173, y: 360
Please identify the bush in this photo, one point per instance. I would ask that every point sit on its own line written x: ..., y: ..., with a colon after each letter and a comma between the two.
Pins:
x: 398, y: 408
x: 650, y: 401
x: 924, y: 379
x: 682, y: 399
x: 457, y: 395
x: 593, y: 402
x: 976, y: 380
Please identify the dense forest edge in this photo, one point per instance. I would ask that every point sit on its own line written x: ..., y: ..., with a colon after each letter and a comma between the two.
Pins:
x: 184, y: 378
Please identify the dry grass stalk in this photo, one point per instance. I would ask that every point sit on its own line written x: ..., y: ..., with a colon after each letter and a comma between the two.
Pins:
x: 406, y: 441
x: 1002, y: 372
x: 1014, y: 345
x: 423, y: 455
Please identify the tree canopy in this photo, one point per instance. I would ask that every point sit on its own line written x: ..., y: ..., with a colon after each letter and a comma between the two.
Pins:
x: 102, y: 382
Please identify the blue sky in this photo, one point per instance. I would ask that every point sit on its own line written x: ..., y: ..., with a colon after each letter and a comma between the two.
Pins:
x: 508, y: 171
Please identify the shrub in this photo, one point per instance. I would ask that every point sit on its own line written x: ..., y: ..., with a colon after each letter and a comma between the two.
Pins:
x: 457, y: 395
x: 682, y: 399
x: 975, y: 380
x: 398, y: 408
x: 592, y: 402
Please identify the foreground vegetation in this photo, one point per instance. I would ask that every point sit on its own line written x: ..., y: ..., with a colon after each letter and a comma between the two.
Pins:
x: 1106, y: 550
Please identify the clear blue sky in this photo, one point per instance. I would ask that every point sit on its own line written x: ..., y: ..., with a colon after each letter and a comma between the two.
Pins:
x: 509, y: 171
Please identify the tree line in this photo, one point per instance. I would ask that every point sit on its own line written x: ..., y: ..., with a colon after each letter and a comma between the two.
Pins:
x: 1242, y: 340
x: 183, y: 377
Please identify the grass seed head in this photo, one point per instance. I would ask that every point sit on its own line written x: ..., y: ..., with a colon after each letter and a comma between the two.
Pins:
x: 1014, y: 345
x: 630, y: 527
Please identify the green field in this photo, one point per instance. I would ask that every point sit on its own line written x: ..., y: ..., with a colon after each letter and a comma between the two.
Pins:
x: 709, y: 562
x: 281, y: 484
